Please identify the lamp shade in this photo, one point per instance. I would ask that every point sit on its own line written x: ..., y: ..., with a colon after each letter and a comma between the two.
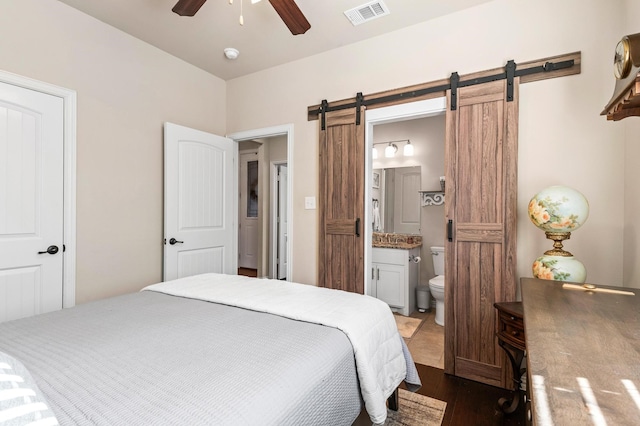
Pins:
x: 407, y: 151
x: 374, y: 153
x: 558, y: 209
x: 390, y: 151
x: 559, y: 268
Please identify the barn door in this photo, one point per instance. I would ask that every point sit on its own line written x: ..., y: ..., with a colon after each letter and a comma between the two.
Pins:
x: 481, y: 167
x: 341, y: 202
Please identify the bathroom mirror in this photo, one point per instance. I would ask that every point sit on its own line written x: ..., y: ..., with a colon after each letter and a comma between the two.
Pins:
x: 396, y: 201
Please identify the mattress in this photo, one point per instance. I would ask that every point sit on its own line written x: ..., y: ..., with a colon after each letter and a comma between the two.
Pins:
x: 156, y: 359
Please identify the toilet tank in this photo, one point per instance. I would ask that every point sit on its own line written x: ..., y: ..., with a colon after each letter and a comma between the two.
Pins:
x: 437, y: 254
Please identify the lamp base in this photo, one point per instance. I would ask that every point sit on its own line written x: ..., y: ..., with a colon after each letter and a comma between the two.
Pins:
x: 558, y: 238
x: 559, y: 268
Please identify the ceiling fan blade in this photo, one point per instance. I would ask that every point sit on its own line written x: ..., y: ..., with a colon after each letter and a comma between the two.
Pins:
x: 188, y: 7
x: 291, y: 15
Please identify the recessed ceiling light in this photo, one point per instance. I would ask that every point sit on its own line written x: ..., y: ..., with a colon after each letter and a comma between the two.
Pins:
x: 231, y: 53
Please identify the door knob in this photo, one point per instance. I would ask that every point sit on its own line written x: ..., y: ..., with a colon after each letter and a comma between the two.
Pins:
x: 50, y: 250
x: 174, y: 241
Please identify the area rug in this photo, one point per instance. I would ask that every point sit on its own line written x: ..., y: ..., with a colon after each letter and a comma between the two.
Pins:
x: 416, y: 410
x: 407, y: 326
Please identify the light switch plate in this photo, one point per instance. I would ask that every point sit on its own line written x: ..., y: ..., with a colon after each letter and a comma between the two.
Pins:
x: 310, y: 203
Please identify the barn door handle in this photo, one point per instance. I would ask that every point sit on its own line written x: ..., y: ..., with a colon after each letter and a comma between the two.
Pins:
x: 450, y: 230
x: 50, y: 250
x: 357, y: 227
x: 174, y: 241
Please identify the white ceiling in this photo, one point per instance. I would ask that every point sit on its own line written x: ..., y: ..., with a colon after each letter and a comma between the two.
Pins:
x: 264, y: 41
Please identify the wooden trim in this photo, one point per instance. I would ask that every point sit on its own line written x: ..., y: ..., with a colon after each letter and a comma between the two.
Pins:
x: 312, y: 111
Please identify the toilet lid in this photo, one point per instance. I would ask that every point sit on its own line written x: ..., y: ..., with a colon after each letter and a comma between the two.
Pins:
x: 437, y: 281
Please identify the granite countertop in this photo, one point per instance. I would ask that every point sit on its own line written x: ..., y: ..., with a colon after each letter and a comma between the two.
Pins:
x: 403, y: 246
x: 396, y: 241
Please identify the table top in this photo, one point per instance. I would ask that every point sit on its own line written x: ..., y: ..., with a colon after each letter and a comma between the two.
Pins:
x: 512, y: 308
x: 583, y: 353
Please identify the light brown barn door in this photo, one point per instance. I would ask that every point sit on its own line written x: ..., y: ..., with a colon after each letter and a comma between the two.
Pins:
x: 341, y: 202
x: 481, y: 167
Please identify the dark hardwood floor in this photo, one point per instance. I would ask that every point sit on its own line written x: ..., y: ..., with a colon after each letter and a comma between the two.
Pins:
x: 248, y: 272
x: 469, y: 403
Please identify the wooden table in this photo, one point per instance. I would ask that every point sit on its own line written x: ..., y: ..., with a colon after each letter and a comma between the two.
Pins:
x: 511, y: 339
x: 583, y: 354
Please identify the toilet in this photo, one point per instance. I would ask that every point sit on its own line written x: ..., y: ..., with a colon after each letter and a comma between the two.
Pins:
x: 436, y: 284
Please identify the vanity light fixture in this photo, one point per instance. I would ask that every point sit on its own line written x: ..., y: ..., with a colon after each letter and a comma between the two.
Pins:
x: 408, y: 149
x: 390, y: 151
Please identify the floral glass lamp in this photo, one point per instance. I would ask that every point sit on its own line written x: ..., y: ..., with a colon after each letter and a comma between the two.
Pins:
x: 558, y: 211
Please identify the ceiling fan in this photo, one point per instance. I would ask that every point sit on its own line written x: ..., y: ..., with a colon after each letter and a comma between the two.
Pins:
x: 288, y: 10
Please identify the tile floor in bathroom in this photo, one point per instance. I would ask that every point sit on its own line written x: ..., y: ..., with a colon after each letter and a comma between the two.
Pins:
x: 427, y: 343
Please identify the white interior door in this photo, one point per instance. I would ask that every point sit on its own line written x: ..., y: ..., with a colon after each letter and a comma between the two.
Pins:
x: 407, y: 200
x: 283, y: 221
x: 248, y: 212
x: 31, y: 202
x: 198, y: 203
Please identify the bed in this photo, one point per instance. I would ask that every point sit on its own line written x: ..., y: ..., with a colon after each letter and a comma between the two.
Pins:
x: 207, y: 350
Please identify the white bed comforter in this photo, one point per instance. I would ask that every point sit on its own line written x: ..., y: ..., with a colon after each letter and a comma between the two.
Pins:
x: 367, y: 322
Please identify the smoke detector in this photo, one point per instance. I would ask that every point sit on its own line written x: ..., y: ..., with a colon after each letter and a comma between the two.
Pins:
x: 366, y: 12
x: 231, y: 53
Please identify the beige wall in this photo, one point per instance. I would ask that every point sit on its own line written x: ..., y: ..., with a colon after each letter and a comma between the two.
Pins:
x: 631, y: 128
x: 126, y: 90
x: 562, y: 138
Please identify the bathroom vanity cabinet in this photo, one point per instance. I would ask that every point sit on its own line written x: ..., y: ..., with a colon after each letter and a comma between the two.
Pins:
x: 394, y: 277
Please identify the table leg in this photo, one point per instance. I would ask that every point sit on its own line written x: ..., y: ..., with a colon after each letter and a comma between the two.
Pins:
x: 508, y: 406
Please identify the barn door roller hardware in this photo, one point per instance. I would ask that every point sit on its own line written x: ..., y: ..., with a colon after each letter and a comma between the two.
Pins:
x: 509, y: 73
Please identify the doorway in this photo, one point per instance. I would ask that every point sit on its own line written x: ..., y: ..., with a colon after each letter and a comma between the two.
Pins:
x: 386, y: 115
x: 400, y: 178
x: 248, y: 211
x: 274, y: 147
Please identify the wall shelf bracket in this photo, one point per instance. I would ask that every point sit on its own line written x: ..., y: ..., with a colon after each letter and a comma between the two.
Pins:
x: 431, y: 198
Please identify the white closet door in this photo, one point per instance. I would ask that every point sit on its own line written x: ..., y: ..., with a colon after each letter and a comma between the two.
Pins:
x: 31, y: 202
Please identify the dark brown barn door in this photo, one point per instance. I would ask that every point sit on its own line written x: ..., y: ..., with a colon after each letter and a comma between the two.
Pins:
x: 341, y: 203
x: 481, y: 167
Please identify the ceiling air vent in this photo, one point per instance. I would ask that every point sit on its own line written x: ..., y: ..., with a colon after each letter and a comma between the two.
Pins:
x: 367, y: 12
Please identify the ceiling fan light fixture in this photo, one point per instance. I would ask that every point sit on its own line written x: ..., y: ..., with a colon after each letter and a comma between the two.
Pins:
x: 231, y: 53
